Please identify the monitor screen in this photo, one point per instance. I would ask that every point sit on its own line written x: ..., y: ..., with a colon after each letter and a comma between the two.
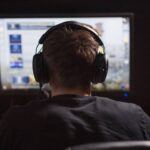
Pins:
x: 19, y: 37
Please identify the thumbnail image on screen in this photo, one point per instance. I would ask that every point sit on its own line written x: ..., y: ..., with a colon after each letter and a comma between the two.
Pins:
x: 19, y: 38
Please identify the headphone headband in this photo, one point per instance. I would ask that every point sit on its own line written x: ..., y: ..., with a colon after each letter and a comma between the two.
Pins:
x: 72, y: 25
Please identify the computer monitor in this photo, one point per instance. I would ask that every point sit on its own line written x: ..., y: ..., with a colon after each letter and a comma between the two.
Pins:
x: 19, y: 37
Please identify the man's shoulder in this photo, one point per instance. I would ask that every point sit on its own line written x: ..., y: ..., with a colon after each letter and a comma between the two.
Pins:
x: 19, y: 114
x: 114, y: 106
x: 112, y: 102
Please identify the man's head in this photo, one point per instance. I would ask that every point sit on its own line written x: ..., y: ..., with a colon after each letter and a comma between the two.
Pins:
x: 70, y: 53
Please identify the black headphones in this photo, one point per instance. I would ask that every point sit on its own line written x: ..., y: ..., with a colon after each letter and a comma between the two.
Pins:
x: 100, y: 66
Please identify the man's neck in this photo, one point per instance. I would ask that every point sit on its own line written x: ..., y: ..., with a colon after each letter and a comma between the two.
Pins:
x: 64, y: 91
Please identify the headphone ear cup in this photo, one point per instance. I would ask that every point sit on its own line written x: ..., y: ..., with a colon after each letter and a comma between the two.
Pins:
x: 40, y: 69
x: 100, y: 69
x: 104, y: 70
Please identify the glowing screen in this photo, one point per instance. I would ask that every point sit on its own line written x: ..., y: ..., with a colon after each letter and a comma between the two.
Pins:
x: 19, y: 38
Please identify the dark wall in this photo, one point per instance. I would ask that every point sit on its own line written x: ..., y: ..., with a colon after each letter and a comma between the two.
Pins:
x: 141, y: 10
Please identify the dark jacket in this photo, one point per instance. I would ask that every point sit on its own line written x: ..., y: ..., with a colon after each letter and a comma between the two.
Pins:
x: 66, y: 120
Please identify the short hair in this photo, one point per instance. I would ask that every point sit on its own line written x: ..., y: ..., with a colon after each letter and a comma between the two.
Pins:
x: 70, y: 55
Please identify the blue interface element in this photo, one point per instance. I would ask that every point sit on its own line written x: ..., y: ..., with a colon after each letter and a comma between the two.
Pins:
x: 15, y: 48
x: 15, y: 38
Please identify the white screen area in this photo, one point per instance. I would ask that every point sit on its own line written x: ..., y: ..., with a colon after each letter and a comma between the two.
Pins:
x: 19, y: 38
